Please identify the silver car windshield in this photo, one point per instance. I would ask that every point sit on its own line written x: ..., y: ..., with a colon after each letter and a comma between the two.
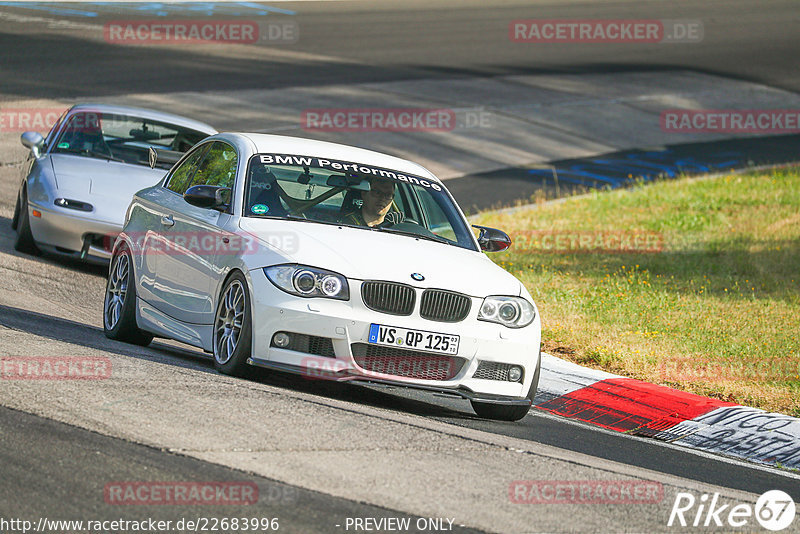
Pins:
x: 352, y: 194
x: 123, y: 138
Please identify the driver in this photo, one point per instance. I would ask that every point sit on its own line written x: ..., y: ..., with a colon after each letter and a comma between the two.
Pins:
x: 376, y: 208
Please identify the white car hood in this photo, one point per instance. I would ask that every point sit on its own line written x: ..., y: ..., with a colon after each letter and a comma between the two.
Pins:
x: 108, y: 185
x: 371, y: 255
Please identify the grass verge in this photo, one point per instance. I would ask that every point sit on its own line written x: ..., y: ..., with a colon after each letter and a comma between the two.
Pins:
x: 692, y: 284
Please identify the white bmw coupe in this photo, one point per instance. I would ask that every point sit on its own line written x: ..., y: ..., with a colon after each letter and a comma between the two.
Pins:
x: 325, y: 260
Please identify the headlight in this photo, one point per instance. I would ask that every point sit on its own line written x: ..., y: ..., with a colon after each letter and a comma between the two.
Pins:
x: 513, y: 312
x: 305, y: 281
x: 73, y: 204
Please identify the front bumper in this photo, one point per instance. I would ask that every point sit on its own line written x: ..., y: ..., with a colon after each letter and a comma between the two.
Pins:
x: 347, y: 324
x: 391, y: 384
x: 79, y: 237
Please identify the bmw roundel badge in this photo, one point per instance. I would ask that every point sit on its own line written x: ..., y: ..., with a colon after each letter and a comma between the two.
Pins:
x: 418, y: 277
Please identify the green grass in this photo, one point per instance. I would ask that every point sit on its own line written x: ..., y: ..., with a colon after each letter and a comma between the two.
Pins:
x: 715, y: 312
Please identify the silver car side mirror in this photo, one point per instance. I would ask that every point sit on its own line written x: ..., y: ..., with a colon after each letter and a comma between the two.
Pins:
x: 208, y: 196
x: 34, y: 142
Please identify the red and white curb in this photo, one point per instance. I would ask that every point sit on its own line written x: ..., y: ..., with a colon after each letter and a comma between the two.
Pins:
x: 639, y: 408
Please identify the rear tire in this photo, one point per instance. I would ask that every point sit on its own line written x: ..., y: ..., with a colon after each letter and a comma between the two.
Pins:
x: 24, y: 241
x: 232, y: 337
x: 509, y: 413
x: 119, y: 307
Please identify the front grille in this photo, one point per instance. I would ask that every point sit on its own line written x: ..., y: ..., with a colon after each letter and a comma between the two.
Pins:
x: 318, y: 346
x: 406, y: 363
x: 445, y: 306
x: 492, y: 371
x: 388, y: 297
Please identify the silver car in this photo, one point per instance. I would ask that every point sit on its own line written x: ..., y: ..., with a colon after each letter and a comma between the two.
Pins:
x: 79, y: 180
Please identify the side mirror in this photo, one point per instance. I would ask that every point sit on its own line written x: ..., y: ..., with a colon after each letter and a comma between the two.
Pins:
x: 162, y: 158
x: 492, y: 239
x: 34, y: 142
x: 208, y: 196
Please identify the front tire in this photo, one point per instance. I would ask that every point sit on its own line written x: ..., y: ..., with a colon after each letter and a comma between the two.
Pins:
x: 15, y: 218
x: 509, y: 413
x: 24, y: 241
x: 119, y: 308
x: 233, y: 328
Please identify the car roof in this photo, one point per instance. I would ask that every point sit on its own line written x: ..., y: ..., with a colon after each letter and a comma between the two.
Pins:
x: 151, y: 114
x: 281, y: 144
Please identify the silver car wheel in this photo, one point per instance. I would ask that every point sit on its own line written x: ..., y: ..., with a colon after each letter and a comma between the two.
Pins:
x: 229, y: 321
x: 117, y: 291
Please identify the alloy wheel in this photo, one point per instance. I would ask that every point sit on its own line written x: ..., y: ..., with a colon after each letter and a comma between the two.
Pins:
x: 229, y: 322
x: 117, y: 291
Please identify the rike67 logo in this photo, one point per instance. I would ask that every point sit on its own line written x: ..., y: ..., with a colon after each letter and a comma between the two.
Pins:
x: 774, y: 510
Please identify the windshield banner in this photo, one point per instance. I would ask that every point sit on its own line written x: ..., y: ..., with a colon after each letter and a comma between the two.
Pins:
x: 364, y: 171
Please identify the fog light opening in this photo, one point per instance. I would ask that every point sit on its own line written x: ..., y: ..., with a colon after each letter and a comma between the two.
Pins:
x: 281, y: 339
x: 514, y: 373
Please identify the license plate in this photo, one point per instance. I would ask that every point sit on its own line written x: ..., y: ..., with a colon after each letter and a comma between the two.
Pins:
x: 392, y: 336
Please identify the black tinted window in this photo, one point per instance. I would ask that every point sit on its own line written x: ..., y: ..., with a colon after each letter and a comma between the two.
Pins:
x: 182, y: 176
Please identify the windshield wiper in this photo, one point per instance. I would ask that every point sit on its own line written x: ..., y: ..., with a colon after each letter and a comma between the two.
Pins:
x: 94, y: 153
x: 432, y: 237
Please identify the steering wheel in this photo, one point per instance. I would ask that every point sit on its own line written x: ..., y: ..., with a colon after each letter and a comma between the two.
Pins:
x: 404, y: 221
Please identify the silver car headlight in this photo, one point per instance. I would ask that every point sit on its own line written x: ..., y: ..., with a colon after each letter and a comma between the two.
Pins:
x: 305, y: 281
x: 73, y: 204
x: 513, y: 312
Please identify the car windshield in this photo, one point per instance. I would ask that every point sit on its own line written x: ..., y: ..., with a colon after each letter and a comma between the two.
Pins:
x: 353, y: 194
x: 124, y: 138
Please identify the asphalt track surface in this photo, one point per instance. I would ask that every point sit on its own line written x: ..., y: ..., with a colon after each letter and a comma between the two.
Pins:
x: 502, y: 187
x: 85, y: 458
x: 55, y: 468
x: 390, y: 40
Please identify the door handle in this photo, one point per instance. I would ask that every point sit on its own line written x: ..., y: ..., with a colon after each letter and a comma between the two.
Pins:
x: 167, y: 220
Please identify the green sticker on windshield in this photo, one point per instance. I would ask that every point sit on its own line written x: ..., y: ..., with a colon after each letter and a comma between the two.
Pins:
x: 259, y: 209
x: 63, y: 145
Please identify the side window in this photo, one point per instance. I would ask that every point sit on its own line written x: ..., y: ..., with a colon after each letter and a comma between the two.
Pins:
x: 438, y: 223
x: 218, y: 167
x: 181, y: 177
x: 404, y: 203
